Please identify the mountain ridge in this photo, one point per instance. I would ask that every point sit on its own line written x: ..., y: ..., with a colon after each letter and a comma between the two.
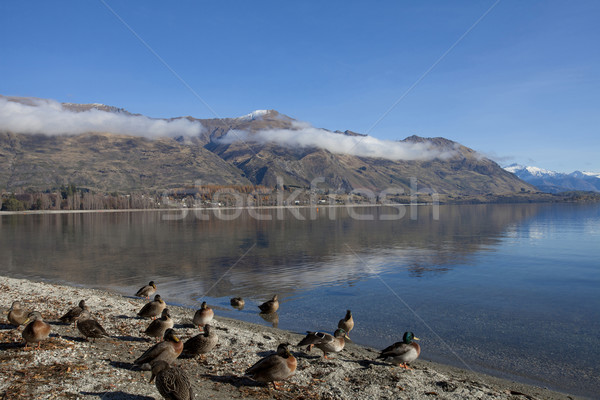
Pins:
x: 556, y: 182
x: 103, y: 161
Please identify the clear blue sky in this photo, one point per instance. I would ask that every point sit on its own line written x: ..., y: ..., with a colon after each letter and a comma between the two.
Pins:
x: 522, y: 86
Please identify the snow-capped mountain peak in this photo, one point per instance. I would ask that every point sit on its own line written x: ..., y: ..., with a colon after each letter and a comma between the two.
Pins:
x: 256, y: 114
x: 552, y: 181
x: 534, y: 171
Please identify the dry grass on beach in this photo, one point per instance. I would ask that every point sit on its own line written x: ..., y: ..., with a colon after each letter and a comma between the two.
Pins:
x: 68, y: 367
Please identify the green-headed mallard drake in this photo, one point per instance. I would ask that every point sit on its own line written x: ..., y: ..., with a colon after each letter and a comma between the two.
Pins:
x: 326, y: 342
x: 237, y: 302
x: 153, y: 309
x: 347, y: 323
x: 172, y: 383
x: 73, y: 314
x: 202, y: 343
x: 276, y: 367
x: 270, y: 306
x: 402, y: 352
x: 147, y: 291
x: 204, y: 315
x: 158, y: 327
x: 89, y: 327
x: 36, y: 329
x: 16, y: 314
x: 168, y: 350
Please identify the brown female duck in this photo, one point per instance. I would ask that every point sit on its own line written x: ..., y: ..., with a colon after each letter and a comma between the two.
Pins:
x: 147, y: 291
x: 36, y: 329
x: 326, y: 342
x: 153, y: 309
x: 171, y: 382
x: 202, y: 343
x: 89, y: 327
x: 270, y: 306
x: 73, y: 314
x: 168, y: 350
x: 276, y: 367
x: 16, y: 314
x: 203, y: 316
x: 158, y: 327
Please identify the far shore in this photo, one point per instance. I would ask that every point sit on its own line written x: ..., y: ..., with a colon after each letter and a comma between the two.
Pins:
x: 66, y: 366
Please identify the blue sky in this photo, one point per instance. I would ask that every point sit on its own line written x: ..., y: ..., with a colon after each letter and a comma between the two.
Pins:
x: 522, y: 86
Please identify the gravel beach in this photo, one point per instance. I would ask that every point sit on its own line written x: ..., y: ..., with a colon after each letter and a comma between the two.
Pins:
x: 68, y: 367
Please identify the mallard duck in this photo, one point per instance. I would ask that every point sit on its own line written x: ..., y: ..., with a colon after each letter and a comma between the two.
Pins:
x: 237, y: 302
x: 326, y: 342
x: 16, y: 314
x: 89, y: 327
x: 168, y: 350
x: 270, y: 306
x: 73, y: 314
x: 153, y: 309
x: 172, y: 382
x: 276, y: 367
x: 158, y: 327
x: 204, y: 315
x: 347, y: 323
x: 146, y: 291
x: 36, y: 329
x: 202, y: 343
x: 402, y: 352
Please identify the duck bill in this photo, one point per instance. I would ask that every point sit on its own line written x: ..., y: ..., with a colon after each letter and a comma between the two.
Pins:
x: 347, y: 338
x: 152, y: 378
x: 416, y: 338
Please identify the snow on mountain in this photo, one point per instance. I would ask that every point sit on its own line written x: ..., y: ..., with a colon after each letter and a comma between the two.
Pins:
x: 256, y: 114
x: 554, y: 182
x: 588, y: 173
x: 534, y: 171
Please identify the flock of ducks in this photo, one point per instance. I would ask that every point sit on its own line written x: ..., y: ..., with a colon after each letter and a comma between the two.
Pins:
x: 172, y: 382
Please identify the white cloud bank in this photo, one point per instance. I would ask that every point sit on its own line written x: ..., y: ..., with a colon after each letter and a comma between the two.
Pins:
x: 50, y: 118
x: 304, y: 135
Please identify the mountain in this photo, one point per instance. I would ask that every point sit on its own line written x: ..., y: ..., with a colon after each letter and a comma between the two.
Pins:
x: 556, y: 182
x: 261, y: 148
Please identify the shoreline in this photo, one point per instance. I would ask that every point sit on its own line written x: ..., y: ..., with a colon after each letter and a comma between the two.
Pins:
x: 68, y: 367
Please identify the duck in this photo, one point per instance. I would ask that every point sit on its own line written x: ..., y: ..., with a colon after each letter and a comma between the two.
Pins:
x: 402, y: 352
x: 172, y: 383
x: 276, y: 367
x: 237, y: 302
x: 204, y: 315
x: 158, y: 327
x: 347, y: 323
x: 89, y: 327
x: 168, y: 350
x: 202, y: 343
x: 36, y: 329
x: 16, y: 314
x: 73, y: 314
x: 153, y: 309
x: 326, y: 342
x: 270, y: 306
x: 146, y: 291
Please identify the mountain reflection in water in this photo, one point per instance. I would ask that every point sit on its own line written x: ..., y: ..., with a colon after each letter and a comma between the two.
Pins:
x: 485, y: 287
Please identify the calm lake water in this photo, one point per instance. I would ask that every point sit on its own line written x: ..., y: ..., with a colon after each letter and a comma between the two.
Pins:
x: 510, y: 290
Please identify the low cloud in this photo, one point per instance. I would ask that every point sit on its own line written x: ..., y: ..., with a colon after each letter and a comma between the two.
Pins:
x: 49, y: 117
x: 304, y: 135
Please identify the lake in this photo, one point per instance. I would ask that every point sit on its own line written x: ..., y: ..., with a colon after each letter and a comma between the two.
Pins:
x: 509, y: 290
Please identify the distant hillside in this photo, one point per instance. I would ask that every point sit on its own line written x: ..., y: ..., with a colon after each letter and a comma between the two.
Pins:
x: 258, y: 148
x: 556, y: 182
